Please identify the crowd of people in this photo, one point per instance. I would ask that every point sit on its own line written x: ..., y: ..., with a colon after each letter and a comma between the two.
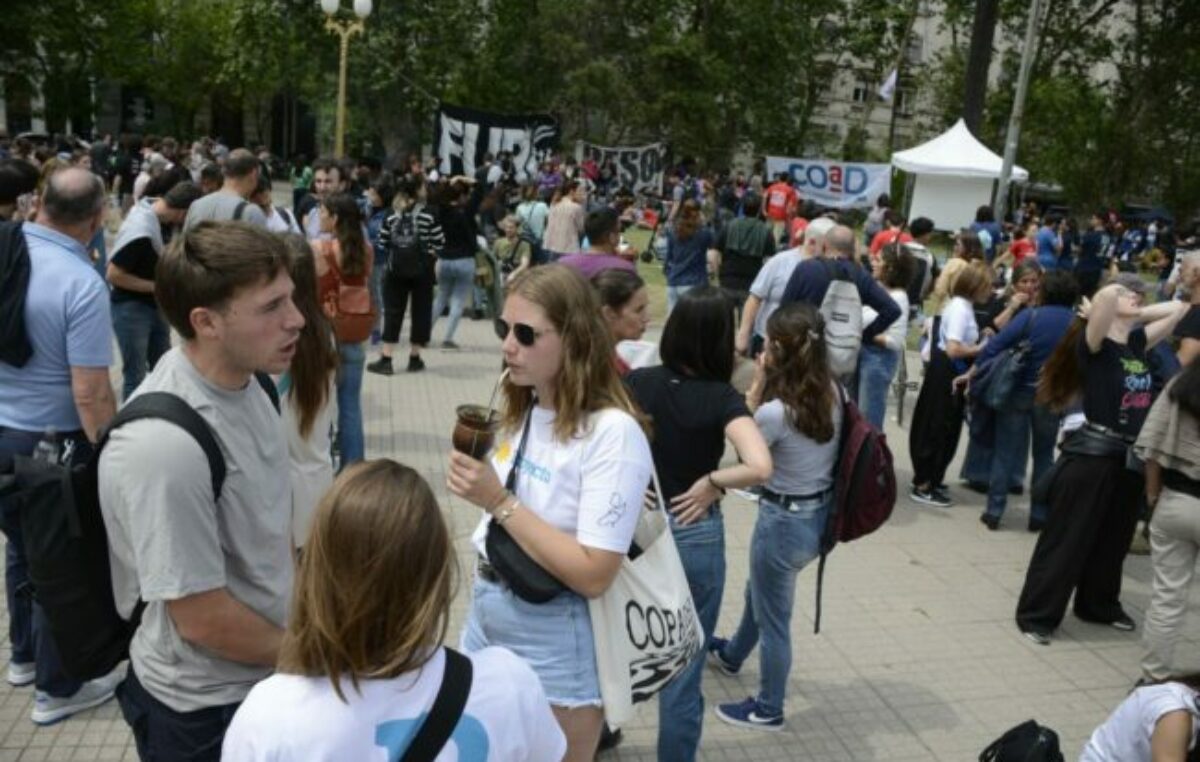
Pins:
x: 303, y: 617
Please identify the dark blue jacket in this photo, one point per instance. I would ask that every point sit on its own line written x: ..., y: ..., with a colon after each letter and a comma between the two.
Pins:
x: 810, y: 280
x: 1049, y: 326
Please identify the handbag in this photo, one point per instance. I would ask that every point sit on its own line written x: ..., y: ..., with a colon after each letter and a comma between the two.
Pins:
x: 995, y: 381
x: 645, y: 626
x: 528, y: 580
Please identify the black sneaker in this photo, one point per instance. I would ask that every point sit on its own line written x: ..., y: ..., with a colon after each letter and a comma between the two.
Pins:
x: 929, y: 497
x: 1017, y: 489
x: 415, y: 364
x: 1037, y: 636
x: 1036, y: 525
x: 1124, y: 623
x: 943, y: 496
x: 382, y: 366
x: 990, y: 521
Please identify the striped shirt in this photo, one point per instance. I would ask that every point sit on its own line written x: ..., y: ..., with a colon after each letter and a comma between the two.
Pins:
x: 429, y: 230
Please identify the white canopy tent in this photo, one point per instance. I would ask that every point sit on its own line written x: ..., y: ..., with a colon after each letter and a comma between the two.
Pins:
x: 951, y: 176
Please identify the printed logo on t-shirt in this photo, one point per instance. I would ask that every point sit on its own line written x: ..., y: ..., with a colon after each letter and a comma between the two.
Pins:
x: 528, y: 468
x: 469, y: 737
x: 1138, y: 383
x: 616, y: 509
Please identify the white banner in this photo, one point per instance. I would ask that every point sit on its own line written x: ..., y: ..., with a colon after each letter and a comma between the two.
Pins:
x: 639, y: 168
x: 836, y: 184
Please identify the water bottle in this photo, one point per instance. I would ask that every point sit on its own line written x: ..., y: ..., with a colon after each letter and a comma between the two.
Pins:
x: 47, y: 449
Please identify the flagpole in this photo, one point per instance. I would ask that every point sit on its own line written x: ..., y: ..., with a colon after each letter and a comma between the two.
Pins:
x: 1013, y: 137
x: 914, y: 9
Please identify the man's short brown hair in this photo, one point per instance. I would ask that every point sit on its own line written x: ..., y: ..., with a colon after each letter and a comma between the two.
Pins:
x: 240, y: 163
x: 207, y: 265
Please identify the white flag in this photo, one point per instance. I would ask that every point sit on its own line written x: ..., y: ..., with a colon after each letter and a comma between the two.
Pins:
x: 888, y: 88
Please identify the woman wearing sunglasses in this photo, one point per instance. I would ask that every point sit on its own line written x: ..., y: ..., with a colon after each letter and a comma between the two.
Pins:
x: 573, y: 502
x: 694, y: 409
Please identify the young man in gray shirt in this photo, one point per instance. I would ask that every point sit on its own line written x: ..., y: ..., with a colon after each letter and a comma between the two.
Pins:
x: 216, y: 574
x: 232, y: 201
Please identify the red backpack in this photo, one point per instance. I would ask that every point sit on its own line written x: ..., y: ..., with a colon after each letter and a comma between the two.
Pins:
x: 864, y: 484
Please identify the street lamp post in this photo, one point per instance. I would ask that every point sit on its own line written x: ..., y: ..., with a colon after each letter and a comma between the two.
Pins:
x: 344, y: 29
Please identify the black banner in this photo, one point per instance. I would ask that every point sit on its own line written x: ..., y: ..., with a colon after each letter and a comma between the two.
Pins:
x: 639, y: 168
x: 462, y: 136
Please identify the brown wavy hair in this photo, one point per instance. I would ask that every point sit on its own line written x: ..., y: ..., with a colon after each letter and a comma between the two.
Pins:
x: 797, y: 370
x: 349, y: 232
x: 316, y: 358
x: 689, y: 220
x: 373, y: 591
x: 1060, y: 380
x: 587, y: 381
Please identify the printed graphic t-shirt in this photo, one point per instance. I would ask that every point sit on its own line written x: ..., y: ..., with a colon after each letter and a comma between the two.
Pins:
x: 1117, y: 384
x: 590, y: 486
x: 292, y: 717
x: 1125, y: 735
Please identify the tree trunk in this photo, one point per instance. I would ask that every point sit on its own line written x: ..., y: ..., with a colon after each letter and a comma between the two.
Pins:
x: 979, y: 60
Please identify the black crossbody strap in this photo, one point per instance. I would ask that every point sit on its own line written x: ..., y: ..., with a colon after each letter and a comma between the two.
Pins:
x: 447, y: 709
x: 510, y: 483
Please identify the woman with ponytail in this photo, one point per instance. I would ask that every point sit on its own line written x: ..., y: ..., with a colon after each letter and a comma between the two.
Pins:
x: 798, y: 407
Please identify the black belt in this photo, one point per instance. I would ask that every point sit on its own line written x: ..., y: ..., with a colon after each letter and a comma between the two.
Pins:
x: 786, y: 500
x: 1109, y: 432
x: 1176, y: 481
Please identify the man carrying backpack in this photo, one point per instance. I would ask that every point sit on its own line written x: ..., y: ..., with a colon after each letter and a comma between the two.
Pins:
x: 213, y: 564
x: 813, y: 282
x: 54, y: 403
x: 744, y: 245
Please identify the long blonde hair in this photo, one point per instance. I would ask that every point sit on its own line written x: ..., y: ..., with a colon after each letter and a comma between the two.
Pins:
x: 588, y: 380
x: 372, y: 596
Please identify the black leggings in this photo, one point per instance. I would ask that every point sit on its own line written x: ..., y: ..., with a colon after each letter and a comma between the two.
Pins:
x: 396, y: 292
x: 1094, y: 507
x: 936, y: 422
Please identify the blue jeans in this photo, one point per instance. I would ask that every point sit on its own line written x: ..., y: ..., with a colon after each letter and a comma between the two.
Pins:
x: 675, y: 293
x: 876, y: 368
x: 28, y: 630
x: 376, y: 286
x: 349, y: 399
x: 785, y: 539
x: 1014, y: 427
x: 680, y: 705
x: 454, y: 280
x: 978, y: 462
x: 143, y: 337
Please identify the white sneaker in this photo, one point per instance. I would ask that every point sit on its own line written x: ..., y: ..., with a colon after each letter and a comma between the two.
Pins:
x: 21, y: 673
x: 48, y: 710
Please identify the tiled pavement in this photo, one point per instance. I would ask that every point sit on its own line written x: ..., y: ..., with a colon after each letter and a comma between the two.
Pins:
x: 918, y: 658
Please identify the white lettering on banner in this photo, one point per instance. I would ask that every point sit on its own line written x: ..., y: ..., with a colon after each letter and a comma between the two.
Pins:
x: 836, y: 184
x: 638, y: 168
x: 668, y: 641
x: 465, y: 135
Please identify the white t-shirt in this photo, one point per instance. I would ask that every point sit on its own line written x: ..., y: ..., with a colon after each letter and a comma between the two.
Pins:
x: 771, y: 282
x: 1125, y: 735
x: 590, y: 486
x: 958, y: 323
x: 896, y: 333
x: 291, y: 717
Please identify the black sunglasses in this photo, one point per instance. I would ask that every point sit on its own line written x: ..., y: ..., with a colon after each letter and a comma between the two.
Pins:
x: 526, y: 335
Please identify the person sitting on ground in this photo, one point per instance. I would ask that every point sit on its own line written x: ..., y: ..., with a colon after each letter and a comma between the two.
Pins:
x: 361, y: 662
x: 512, y: 252
x: 1159, y: 722
x: 603, y: 229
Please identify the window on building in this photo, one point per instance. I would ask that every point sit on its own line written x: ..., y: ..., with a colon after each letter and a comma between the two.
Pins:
x: 864, y: 91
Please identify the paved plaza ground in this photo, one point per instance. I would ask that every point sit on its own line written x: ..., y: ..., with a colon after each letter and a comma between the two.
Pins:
x: 918, y: 658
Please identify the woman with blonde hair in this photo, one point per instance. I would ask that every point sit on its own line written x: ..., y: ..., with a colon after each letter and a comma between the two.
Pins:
x: 361, y: 662
x: 565, y: 482
x: 686, y: 263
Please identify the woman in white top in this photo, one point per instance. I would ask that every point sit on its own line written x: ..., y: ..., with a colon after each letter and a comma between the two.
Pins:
x: 308, y: 395
x: 361, y: 661
x: 1155, y: 723
x: 564, y: 224
x: 938, y: 415
x: 582, y: 467
x: 877, y: 361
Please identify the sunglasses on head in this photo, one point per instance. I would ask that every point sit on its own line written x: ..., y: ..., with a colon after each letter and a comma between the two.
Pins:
x: 526, y: 335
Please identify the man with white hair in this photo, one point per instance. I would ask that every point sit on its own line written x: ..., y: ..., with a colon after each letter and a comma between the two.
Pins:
x: 767, y: 290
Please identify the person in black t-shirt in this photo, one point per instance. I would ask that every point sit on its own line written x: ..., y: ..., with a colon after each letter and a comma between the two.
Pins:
x: 694, y: 409
x: 1095, y: 498
x: 141, y: 332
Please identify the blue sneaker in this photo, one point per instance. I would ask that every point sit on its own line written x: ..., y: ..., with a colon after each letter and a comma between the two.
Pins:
x: 715, y: 648
x: 750, y: 714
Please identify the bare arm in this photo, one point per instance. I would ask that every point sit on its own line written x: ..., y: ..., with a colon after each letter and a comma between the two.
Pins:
x: 956, y: 350
x: 755, y: 467
x: 1160, y: 320
x: 587, y: 571
x: 122, y: 279
x: 221, y: 623
x: 1172, y: 733
x: 1100, y: 317
x: 749, y: 315
x: 94, y: 400
x: 1189, y: 349
x: 1153, y: 482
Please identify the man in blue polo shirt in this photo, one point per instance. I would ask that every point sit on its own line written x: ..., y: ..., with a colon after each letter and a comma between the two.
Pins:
x: 63, y: 390
x: 1049, y: 243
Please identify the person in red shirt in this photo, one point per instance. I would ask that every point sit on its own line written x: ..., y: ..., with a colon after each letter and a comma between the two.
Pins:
x: 892, y: 232
x: 1022, y: 245
x: 779, y: 203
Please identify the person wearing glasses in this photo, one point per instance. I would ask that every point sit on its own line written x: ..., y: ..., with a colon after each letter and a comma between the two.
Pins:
x: 583, y: 463
x: 1096, y: 496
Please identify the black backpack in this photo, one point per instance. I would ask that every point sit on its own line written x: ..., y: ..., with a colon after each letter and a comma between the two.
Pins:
x: 1027, y: 742
x: 406, y: 255
x: 66, y: 542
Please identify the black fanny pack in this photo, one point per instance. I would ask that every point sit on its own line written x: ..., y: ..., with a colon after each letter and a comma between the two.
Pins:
x: 1097, y: 441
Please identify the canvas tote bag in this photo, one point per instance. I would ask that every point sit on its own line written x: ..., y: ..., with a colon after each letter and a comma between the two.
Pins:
x: 645, y: 625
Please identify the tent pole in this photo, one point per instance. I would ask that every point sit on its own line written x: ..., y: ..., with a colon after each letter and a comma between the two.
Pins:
x: 1018, y: 110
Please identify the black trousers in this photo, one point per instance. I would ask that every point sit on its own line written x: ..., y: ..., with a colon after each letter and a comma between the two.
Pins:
x: 397, y: 290
x: 162, y: 734
x: 1094, y: 507
x: 936, y: 422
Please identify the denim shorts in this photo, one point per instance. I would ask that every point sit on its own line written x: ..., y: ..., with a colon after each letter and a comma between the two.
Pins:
x: 554, y: 638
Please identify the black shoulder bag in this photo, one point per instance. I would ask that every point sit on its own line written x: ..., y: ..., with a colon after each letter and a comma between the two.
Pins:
x: 528, y: 580
x: 447, y: 709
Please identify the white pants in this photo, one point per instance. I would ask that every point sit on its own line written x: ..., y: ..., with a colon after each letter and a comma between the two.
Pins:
x: 1174, y: 545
